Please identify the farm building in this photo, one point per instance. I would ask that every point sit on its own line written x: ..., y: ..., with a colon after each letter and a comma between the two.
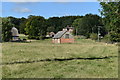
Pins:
x: 50, y: 35
x: 14, y: 34
x: 64, y: 36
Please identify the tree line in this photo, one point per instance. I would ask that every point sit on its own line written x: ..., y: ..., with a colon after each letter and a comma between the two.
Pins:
x: 36, y: 27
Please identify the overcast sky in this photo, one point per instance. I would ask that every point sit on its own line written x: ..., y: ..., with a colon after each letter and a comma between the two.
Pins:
x: 48, y: 9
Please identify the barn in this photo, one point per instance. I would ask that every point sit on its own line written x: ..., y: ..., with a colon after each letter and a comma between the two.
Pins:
x: 64, y: 36
x: 14, y: 34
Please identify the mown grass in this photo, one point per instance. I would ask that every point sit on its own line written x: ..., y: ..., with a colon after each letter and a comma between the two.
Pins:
x: 76, y: 68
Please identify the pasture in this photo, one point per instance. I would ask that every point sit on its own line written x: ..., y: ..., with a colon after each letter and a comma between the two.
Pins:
x: 43, y: 59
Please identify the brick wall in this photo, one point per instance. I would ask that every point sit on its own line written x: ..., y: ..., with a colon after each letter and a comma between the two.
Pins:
x: 71, y: 40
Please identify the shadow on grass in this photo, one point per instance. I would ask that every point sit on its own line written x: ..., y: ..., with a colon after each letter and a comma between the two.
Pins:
x: 57, y: 59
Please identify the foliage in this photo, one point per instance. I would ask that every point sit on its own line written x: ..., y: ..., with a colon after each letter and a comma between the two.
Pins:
x: 6, y: 29
x: 53, y: 24
x: 36, y: 27
x: 88, y: 24
x: 51, y: 29
x: 15, y: 22
x: 22, y: 26
x: 82, y: 37
x: 106, y: 38
x: 68, y: 20
x: 111, y: 13
x: 76, y: 25
x: 93, y: 36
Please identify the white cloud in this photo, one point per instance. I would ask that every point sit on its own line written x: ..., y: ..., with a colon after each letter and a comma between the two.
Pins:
x: 49, y: 0
x: 21, y: 10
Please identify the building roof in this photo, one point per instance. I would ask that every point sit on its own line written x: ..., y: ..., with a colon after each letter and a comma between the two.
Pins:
x: 14, y: 31
x: 59, y: 34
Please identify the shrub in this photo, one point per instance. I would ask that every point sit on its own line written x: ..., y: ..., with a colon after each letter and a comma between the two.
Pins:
x: 93, y: 36
x: 106, y: 38
x: 115, y: 36
x: 82, y: 37
x: 36, y: 37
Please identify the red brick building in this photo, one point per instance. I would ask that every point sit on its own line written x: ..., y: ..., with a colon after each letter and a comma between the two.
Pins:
x: 64, y: 36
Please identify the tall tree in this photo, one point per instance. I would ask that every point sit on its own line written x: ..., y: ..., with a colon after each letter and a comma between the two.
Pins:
x: 111, y: 13
x: 15, y: 21
x: 87, y: 25
x: 68, y: 20
x: 53, y: 24
x: 6, y: 29
x: 22, y: 25
x: 76, y: 25
x: 36, y: 27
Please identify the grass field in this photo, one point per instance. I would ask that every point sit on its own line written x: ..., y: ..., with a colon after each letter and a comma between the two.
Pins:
x: 43, y: 59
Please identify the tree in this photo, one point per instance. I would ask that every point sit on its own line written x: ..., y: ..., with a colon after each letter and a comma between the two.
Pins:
x: 93, y: 36
x: 76, y: 25
x: 36, y: 27
x: 68, y: 20
x: 22, y: 26
x: 111, y: 13
x: 51, y: 29
x: 53, y: 24
x: 15, y: 21
x: 88, y: 24
x: 6, y: 29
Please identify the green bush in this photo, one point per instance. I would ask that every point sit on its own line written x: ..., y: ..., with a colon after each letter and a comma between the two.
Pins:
x: 106, y: 38
x: 115, y: 36
x: 36, y: 37
x: 82, y: 37
x: 93, y: 36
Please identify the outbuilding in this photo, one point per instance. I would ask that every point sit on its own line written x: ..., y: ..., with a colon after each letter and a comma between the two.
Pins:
x: 14, y: 34
x: 64, y: 36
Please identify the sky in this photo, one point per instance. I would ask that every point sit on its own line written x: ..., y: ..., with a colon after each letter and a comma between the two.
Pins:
x: 50, y: 0
x: 48, y: 9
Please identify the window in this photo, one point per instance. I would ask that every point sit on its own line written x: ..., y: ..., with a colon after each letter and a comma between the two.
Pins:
x: 67, y: 36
